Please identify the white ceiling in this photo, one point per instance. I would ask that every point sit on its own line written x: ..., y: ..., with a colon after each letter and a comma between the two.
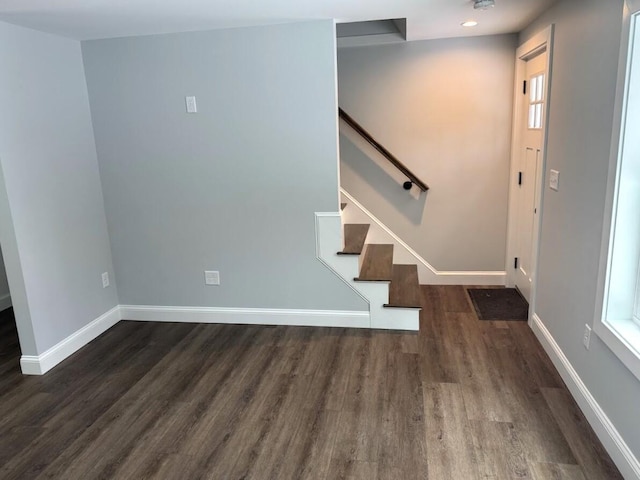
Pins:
x: 85, y: 19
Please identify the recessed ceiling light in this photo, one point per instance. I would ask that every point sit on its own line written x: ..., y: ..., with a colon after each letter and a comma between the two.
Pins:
x: 469, y: 23
x: 483, y: 4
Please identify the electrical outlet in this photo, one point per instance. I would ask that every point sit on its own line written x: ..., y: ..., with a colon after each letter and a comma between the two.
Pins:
x: 211, y: 277
x: 105, y: 279
x: 586, y: 338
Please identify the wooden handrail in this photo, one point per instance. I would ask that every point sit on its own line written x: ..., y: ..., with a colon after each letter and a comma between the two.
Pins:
x: 385, y: 153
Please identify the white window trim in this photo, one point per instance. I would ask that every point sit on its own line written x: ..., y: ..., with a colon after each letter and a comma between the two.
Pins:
x: 636, y: 308
x: 621, y: 335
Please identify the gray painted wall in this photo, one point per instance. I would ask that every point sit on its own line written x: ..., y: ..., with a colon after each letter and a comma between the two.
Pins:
x: 586, y: 48
x: 232, y: 188
x: 52, y: 222
x: 444, y: 108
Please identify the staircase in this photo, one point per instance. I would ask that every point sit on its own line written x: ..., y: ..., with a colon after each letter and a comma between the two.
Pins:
x: 392, y: 290
x: 377, y: 266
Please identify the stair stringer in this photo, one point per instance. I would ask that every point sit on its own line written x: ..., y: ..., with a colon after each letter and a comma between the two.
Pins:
x: 329, y: 241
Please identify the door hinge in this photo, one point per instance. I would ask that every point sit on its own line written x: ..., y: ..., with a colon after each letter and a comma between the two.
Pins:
x: 519, y: 178
x: 515, y: 262
x: 524, y: 87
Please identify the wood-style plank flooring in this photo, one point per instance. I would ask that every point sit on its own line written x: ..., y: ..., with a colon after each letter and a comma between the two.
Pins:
x: 463, y: 399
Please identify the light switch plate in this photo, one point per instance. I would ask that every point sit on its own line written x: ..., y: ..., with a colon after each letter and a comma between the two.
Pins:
x: 554, y: 179
x: 586, y: 337
x: 191, y: 105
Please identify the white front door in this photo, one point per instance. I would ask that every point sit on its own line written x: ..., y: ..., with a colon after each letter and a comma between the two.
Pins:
x: 529, y: 159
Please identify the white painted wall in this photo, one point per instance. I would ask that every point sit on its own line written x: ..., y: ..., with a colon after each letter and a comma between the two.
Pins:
x: 585, y: 61
x: 444, y: 108
x: 232, y: 188
x: 52, y: 221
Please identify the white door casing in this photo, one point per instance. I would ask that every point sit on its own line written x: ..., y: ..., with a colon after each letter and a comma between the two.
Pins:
x: 533, y: 61
x: 529, y: 168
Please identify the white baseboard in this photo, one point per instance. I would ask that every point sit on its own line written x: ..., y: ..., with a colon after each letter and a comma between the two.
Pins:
x: 5, y: 302
x: 40, y: 364
x: 252, y: 316
x: 403, y: 253
x: 613, y: 442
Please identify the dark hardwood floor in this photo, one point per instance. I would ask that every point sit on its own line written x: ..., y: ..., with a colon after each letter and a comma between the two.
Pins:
x: 463, y: 399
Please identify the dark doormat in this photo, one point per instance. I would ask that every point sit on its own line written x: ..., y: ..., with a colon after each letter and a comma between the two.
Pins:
x: 499, y: 303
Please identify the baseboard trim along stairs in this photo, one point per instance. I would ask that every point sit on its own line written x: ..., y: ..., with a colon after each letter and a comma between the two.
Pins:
x: 355, y: 213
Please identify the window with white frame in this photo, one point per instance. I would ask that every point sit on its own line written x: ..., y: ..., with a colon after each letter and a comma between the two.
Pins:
x: 619, y: 323
x: 636, y: 310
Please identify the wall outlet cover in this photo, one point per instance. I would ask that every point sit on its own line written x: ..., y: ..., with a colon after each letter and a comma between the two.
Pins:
x: 211, y: 277
x: 105, y: 279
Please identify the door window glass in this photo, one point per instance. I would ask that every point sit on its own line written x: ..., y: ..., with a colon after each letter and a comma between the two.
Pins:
x: 536, y: 101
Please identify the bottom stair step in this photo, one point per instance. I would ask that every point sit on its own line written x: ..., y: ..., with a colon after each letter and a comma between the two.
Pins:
x: 404, y: 290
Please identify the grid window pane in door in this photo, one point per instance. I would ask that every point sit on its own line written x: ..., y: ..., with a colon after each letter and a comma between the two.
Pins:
x: 540, y: 88
x: 536, y: 102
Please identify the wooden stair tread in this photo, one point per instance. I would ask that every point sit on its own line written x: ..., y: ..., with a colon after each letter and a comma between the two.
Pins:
x: 377, y: 264
x: 404, y: 290
x: 354, y: 237
x: 342, y: 206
